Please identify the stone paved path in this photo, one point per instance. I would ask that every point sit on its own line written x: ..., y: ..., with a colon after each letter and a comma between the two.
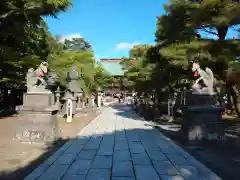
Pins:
x: 119, y: 145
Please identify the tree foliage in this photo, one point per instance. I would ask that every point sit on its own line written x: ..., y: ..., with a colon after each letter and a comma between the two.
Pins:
x: 25, y: 42
x: 180, y: 34
x: 77, y: 53
x: 24, y: 35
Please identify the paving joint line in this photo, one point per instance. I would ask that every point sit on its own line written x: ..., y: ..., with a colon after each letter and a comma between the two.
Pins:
x: 133, y: 168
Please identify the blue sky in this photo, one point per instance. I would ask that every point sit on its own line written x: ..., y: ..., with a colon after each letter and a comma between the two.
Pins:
x: 111, y: 26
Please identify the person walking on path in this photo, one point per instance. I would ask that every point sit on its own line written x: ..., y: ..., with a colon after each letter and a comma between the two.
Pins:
x: 92, y: 98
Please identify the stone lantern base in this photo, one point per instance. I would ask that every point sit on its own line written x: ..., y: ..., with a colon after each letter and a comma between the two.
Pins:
x: 74, y: 106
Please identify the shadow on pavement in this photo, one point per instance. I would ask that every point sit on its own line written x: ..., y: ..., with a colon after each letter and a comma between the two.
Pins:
x: 97, y: 150
x: 129, y: 115
x: 125, y: 111
x: 221, y: 157
x: 84, y: 152
x: 84, y: 148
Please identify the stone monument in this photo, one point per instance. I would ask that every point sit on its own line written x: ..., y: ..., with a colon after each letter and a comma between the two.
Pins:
x: 202, y: 113
x: 37, y: 115
x: 72, y: 89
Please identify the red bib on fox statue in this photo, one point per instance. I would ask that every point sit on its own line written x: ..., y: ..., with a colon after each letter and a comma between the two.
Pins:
x: 195, y: 73
x: 41, y: 74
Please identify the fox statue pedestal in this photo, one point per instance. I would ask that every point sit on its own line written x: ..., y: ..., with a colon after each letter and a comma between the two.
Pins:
x: 37, y: 118
x: 202, y: 118
x: 202, y: 115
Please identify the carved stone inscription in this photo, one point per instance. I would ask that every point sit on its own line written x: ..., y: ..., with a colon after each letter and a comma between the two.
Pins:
x: 31, y: 136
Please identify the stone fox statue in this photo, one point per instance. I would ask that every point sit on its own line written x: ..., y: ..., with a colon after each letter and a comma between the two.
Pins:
x: 36, y: 78
x: 207, y: 77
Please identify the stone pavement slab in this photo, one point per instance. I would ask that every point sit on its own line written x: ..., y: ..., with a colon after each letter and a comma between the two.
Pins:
x: 165, y: 168
x: 141, y: 159
x: 146, y: 172
x: 98, y: 174
x: 102, y: 162
x: 74, y: 177
x: 87, y: 154
x: 156, y: 156
x: 54, y: 172
x: 123, y: 155
x: 80, y: 166
x: 118, y: 145
x: 122, y: 169
x: 123, y: 178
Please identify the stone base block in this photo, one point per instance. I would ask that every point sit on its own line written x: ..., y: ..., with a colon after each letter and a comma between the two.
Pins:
x: 38, y: 99
x: 74, y: 107
x: 201, y: 123
x: 195, y: 99
x: 37, y: 126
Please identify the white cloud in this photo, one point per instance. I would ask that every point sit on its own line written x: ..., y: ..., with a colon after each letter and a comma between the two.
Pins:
x: 125, y: 46
x: 69, y: 37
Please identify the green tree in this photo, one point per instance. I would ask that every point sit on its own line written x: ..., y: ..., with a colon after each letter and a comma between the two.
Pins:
x: 137, y: 70
x: 24, y: 35
x: 83, y: 62
x: 102, y: 78
x: 77, y: 53
x: 179, y: 34
x: 77, y: 44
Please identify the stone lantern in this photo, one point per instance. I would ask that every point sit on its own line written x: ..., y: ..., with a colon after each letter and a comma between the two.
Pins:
x: 72, y: 77
x: 75, y: 85
x: 52, y: 80
x: 69, y: 96
x: 69, y: 107
x: 58, y: 95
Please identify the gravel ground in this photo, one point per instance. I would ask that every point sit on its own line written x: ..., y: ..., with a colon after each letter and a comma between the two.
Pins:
x: 18, y: 160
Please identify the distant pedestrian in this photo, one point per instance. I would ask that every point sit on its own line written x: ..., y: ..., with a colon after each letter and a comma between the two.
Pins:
x: 92, y: 99
x: 119, y: 97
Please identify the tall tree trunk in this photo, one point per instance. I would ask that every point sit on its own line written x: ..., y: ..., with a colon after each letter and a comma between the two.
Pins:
x: 236, y: 100
x: 222, y: 32
x: 220, y: 99
x: 229, y: 102
x: 234, y: 97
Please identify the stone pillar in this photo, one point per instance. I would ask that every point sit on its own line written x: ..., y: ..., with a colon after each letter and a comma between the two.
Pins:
x: 69, y: 109
x: 99, y: 99
x: 83, y: 104
x: 58, y: 104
